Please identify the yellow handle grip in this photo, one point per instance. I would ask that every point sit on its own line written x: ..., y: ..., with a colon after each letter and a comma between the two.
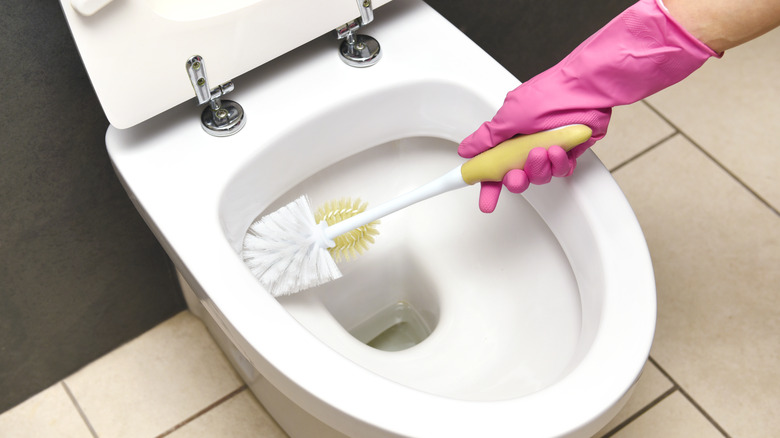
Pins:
x: 492, y: 164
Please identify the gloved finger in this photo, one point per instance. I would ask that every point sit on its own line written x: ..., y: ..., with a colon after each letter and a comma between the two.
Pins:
x: 537, y: 166
x: 516, y: 181
x: 559, y: 161
x: 488, y: 196
x: 580, y: 149
x: 576, y: 152
x: 572, y: 166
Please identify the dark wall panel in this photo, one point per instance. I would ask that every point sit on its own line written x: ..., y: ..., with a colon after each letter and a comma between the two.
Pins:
x: 526, y: 36
x: 80, y: 273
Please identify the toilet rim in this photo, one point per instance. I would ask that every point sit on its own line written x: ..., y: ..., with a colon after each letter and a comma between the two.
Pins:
x: 254, y: 320
x: 617, y: 353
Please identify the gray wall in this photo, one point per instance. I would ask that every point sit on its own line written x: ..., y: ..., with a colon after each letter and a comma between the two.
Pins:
x: 527, y: 36
x: 79, y: 271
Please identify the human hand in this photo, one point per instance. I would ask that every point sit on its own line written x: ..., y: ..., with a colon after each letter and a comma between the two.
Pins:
x: 640, y: 52
x: 542, y: 165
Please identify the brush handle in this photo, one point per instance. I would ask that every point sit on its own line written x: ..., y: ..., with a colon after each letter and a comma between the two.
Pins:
x: 449, y: 181
x: 490, y: 165
x: 494, y: 163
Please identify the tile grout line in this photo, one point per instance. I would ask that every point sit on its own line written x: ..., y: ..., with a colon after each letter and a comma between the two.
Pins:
x: 690, y: 399
x: 713, y: 159
x: 640, y: 412
x: 203, y: 411
x: 78, y: 408
x: 646, y: 150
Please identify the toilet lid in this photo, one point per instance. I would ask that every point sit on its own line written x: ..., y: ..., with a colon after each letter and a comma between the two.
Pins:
x: 135, y: 50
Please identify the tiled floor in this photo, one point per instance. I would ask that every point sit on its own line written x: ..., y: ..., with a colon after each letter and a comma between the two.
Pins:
x: 698, y: 162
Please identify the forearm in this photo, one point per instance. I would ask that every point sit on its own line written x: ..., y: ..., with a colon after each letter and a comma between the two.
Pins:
x: 723, y: 24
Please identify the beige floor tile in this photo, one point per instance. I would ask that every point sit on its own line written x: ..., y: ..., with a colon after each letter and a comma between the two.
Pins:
x: 154, y: 382
x: 731, y: 107
x: 241, y: 416
x: 716, y: 252
x: 49, y: 413
x: 674, y: 417
x: 632, y: 129
x: 650, y: 387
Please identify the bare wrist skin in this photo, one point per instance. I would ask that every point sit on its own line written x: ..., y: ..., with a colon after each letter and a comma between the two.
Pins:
x: 724, y: 24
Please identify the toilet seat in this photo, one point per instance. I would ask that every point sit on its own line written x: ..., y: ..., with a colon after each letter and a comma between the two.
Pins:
x: 136, y: 77
x: 199, y: 194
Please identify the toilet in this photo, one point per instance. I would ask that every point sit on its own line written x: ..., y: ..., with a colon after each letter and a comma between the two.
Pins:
x: 533, y: 321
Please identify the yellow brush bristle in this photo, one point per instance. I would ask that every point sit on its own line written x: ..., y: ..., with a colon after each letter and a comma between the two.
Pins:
x: 353, y: 243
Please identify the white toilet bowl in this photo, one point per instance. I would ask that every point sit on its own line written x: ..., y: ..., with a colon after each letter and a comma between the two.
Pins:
x: 534, y: 321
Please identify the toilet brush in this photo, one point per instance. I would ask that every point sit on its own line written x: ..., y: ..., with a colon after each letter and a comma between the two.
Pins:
x: 293, y: 249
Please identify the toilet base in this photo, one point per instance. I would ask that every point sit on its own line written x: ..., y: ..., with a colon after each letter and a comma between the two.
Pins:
x: 294, y: 420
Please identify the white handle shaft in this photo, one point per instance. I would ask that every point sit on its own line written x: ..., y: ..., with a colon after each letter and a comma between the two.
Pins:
x: 449, y: 181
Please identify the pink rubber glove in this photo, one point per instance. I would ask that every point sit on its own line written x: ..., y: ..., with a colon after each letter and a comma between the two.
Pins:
x: 640, y: 52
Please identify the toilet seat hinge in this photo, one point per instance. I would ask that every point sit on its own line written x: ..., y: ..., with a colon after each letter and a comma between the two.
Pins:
x: 359, y: 50
x: 222, y: 117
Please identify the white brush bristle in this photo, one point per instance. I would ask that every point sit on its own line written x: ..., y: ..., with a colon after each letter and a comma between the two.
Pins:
x: 286, y: 252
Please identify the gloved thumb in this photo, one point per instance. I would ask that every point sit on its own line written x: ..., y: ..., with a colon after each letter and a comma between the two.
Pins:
x: 488, y: 135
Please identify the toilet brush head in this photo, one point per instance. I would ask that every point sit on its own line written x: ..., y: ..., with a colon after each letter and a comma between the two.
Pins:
x: 288, y: 251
